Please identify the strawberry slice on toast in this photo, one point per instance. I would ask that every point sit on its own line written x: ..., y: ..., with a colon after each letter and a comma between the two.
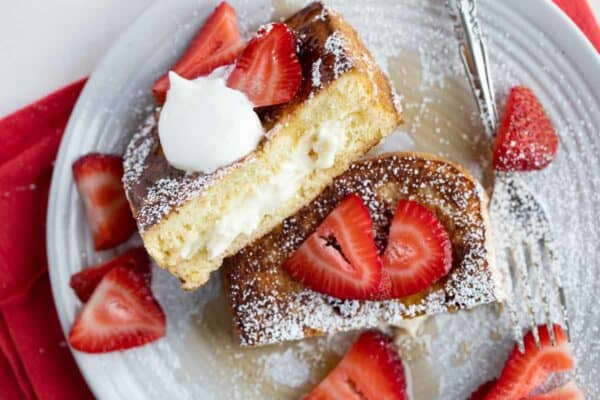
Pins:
x: 98, y: 178
x: 526, y: 139
x: 340, y: 258
x: 268, y: 70
x: 523, y: 372
x: 84, y: 282
x: 371, y: 370
x: 121, y: 313
x: 419, y: 251
x: 217, y: 43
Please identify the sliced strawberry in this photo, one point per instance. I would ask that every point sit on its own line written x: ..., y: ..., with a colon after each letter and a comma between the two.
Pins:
x: 84, y: 282
x: 419, y: 251
x: 122, y: 313
x: 482, y: 390
x: 268, y: 71
x: 217, y: 43
x: 371, y: 370
x: 569, y: 391
x: 526, y: 139
x: 523, y: 372
x: 98, y: 178
x: 340, y: 257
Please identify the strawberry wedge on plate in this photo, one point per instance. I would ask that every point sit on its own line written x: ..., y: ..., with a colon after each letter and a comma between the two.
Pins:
x: 526, y: 139
x: 217, y: 43
x: 84, y: 282
x: 340, y: 257
x: 524, y: 372
x: 371, y: 370
x: 121, y: 313
x: 98, y: 178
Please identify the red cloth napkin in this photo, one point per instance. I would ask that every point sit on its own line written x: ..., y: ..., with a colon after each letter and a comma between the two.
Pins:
x: 581, y: 13
x: 35, y: 361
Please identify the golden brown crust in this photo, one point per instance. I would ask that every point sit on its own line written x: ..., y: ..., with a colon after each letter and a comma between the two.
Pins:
x: 268, y: 306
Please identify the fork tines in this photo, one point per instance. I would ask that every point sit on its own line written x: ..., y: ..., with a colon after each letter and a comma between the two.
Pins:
x: 532, y: 272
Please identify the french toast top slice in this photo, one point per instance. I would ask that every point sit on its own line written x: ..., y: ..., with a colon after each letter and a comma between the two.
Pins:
x: 327, y: 49
x: 269, y: 307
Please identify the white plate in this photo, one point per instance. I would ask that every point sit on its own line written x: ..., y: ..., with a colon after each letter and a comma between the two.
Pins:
x: 531, y: 42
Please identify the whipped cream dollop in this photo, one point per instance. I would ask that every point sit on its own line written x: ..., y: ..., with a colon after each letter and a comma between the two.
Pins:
x: 204, y: 125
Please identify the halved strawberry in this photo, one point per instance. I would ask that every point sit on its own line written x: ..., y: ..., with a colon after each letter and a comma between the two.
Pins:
x: 482, y: 390
x: 268, y: 71
x: 523, y: 372
x: 122, y: 313
x: 526, y: 139
x: 217, y: 43
x: 84, y: 282
x: 340, y: 257
x: 98, y: 178
x: 569, y: 391
x: 419, y: 251
x: 371, y: 370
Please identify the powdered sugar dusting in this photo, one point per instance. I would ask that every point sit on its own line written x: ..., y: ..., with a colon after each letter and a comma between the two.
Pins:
x: 287, y: 368
x: 264, y: 30
x: 134, y: 160
x: 167, y: 194
x: 337, y: 46
x: 316, y: 73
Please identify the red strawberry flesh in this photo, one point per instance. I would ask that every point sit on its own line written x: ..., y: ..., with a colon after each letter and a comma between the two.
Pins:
x: 419, y: 251
x: 371, y: 370
x: 526, y: 139
x: 84, y: 282
x: 122, y: 313
x: 217, y: 43
x: 340, y: 258
x: 523, y: 372
x: 98, y: 178
x: 268, y: 70
x: 482, y: 390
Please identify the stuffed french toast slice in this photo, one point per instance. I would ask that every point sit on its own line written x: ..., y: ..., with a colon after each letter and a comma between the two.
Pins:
x: 270, y: 305
x: 190, y: 222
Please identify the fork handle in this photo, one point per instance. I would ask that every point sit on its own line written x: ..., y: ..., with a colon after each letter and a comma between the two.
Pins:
x: 474, y: 56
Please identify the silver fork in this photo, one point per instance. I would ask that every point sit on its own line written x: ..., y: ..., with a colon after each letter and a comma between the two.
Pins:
x: 522, y: 225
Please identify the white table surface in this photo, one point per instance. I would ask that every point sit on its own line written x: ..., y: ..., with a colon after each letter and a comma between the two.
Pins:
x: 46, y: 44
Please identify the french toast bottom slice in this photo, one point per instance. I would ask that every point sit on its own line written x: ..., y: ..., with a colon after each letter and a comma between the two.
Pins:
x: 351, y: 107
x: 269, y: 307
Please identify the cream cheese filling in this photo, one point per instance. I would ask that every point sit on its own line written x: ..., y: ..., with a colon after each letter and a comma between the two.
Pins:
x: 316, y: 150
x: 411, y: 326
